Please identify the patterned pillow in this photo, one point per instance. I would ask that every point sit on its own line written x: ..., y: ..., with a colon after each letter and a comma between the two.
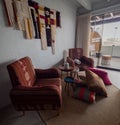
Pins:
x: 102, y: 74
x: 77, y: 61
x: 95, y: 83
x: 84, y: 94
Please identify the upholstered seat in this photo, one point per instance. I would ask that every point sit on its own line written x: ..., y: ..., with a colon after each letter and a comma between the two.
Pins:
x: 34, y: 89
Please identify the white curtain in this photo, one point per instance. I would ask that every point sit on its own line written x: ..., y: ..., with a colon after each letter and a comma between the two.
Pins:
x: 83, y: 33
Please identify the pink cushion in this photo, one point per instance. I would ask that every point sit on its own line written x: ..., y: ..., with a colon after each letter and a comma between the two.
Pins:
x: 102, y: 74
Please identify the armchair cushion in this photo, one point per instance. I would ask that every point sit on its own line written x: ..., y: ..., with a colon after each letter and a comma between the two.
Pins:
x: 24, y: 71
x: 22, y: 90
x: 47, y: 73
x: 53, y: 81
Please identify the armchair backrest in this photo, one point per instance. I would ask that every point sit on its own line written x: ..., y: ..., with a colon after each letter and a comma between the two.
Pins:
x: 75, y: 53
x: 22, y: 72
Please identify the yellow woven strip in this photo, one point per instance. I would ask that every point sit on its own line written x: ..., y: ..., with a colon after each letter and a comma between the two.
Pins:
x: 41, y: 8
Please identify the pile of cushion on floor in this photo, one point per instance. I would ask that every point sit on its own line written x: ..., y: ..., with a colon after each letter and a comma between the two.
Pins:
x: 94, y: 83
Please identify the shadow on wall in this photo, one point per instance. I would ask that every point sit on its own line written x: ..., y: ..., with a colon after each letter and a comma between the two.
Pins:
x: 61, y: 62
x: 5, y: 22
x: 5, y: 84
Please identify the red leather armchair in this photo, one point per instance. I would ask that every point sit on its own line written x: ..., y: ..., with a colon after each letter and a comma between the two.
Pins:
x: 34, y: 89
x: 77, y: 53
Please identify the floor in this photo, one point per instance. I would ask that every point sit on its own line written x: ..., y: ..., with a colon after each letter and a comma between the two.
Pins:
x: 114, y: 77
x: 8, y: 116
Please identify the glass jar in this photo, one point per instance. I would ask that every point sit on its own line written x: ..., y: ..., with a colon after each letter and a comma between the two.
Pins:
x: 66, y: 65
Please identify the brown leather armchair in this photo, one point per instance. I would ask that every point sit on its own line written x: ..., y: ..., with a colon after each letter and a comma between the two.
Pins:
x: 34, y: 89
x: 76, y: 54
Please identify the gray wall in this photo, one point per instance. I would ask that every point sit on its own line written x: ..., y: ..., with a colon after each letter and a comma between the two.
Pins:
x: 13, y: 45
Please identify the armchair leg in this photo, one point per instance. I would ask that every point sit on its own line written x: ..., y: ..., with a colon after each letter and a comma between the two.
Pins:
x: 23, y: 113
x: 41, y: 117
x: 57, y: 109
x: 58, y: 112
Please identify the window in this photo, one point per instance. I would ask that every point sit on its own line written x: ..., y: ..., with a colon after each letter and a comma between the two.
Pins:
x: 108, y: 26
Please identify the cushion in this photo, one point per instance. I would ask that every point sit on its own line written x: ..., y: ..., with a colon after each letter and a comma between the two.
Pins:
x: 102, y: 74
x: 84, y: 94
x: 24, y: 71
x: 95, y: 83
x: 77, y: 61
x: 79, y: 82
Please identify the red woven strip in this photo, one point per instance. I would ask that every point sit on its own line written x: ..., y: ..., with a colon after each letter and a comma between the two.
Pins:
x: 92, y: 98
x: 52, y: 21
x: 35, y: 6
x: 81, y: 93
x: 41, y: 16
x: 51, y: 12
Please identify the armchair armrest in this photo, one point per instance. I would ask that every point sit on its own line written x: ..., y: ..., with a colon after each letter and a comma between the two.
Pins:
x: 47, y: 73
x: 87, y: 61
x: 71, y: 61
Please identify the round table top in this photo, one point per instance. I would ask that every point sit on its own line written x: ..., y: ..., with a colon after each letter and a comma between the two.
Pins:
x: 62, y: 68
x: 69, y: 79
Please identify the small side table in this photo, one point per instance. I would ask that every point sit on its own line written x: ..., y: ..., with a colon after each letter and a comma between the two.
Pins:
x: 63, y: 69
x: 68, y: 80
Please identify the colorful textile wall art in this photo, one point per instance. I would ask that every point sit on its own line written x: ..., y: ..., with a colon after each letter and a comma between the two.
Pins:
x: 35, y: 20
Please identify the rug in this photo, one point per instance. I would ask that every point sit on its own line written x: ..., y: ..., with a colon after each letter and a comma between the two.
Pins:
x: 105, y: 111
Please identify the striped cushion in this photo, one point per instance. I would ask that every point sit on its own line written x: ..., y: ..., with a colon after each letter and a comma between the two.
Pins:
x: 84, y: 94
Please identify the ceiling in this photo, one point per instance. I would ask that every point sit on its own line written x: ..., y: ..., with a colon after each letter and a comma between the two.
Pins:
x: 110, y: 8
x: 91, y: 5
